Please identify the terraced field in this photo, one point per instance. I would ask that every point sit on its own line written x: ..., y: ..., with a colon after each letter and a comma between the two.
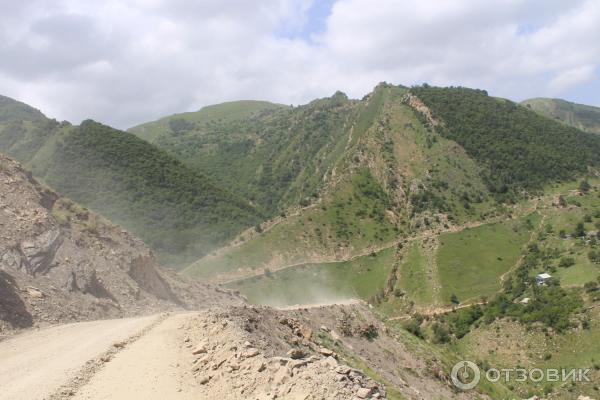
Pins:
x: 471, y: 262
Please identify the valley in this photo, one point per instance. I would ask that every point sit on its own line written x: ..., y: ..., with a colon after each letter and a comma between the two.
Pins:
x: 336, y: 248
x: 299, y: 200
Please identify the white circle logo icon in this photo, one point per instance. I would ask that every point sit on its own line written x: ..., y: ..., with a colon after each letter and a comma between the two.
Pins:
x: 465, y: 375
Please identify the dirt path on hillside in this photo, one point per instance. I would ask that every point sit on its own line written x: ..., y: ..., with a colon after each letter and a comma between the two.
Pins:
x: 246, y: 273
x: 210, y: 354
x: 35, y: 364
x: 436, y: 311
x: 240, y: 276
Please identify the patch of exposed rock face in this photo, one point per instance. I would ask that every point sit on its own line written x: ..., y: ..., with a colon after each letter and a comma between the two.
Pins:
x: 37, y: 255
x: 416, y: 103
x: 60, y: 262
x: 149, y: 279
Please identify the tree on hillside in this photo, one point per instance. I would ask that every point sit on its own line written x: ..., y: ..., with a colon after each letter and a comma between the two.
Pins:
x: 594, y: 256
x: 562, y: 201
x: 454, y: 299
x: 566, y: 262
x: 579, y: 230
x: 517, y: 148
x: 584, y: 186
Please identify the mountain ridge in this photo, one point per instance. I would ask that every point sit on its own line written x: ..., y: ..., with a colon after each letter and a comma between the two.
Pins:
x: 580, y: 116
x: 427, y: 180
x: 179, y: 211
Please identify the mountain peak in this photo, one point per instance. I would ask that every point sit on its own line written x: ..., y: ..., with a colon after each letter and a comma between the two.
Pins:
x: 14, y: 110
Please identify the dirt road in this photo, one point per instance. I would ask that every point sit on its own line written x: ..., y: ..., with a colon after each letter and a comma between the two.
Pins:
x: 154, y: 367
x: 35, y: 364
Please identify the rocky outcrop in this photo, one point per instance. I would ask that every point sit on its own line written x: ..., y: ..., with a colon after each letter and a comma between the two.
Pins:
x: 147, y: 277
x: 60, y: 262
x: 416, y: 103
x: 13, y: 309
x: 38, y: 254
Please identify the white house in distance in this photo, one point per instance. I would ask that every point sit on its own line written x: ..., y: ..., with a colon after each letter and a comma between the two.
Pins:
x: 541, y: 279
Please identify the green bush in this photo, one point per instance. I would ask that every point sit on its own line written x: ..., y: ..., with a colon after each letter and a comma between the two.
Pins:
x: 566, y: 262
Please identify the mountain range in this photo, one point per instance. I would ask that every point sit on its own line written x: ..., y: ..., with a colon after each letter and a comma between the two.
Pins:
x: 438, y: 207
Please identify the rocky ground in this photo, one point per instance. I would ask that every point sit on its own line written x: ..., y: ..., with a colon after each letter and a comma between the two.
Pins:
x: 246, y: 352
x: 60, y: 263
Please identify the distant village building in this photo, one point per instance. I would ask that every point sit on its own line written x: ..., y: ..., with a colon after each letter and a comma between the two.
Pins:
x: 526, y: 300
x: 541, y: 279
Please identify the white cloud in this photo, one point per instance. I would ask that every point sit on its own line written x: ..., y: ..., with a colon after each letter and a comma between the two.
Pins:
x: 571, y: 77
x: 124, y: 62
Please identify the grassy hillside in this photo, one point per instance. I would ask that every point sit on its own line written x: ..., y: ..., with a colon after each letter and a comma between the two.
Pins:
x: 417, y: 277
x: 15, y: 111
x: 485, y: 152
x: 376, y: 175
x: 521, y: 323
x: 519, y: 149
x: 193, y: 123
x: 275, y: 156
x: 175, y: 209
x: 580, y: 116
x: 472, y: 262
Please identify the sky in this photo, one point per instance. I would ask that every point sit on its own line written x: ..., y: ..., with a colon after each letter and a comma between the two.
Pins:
x: 124, y: 62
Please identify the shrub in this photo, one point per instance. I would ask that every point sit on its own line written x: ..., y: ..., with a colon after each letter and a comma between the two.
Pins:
x: 440, y: 334
x: 413, y: 326
x: 454, y: 299
x: 584, y: 186
x: 591, y: 287
x: 369, y: 332
x: 579, y: 230
x: 566, y: 262
x: 594, y: 256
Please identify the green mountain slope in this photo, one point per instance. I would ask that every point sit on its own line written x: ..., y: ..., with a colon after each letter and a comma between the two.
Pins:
x: 274, y: 155
x: 580, y: 116
x: 440, y: 204
x: 368, y: 171
x: 404, y: 163
x: 178, y: 211
x: 194, y: 122
x: 519, y: 149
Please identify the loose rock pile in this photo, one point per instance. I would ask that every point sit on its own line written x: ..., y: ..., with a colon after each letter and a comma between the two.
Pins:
x: 228, y: 365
